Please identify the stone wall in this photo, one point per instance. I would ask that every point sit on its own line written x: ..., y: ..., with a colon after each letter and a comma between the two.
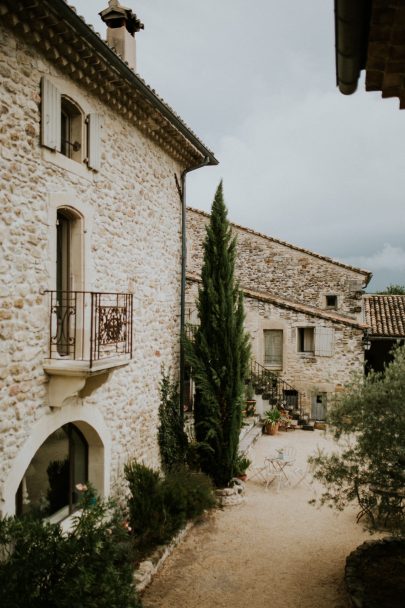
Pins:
x: 309, y: 374
x: 302, y: 280
x: 268, y: 265
x: 132, y: 216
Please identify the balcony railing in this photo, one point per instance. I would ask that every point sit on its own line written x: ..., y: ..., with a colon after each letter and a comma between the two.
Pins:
x: 90, y: 326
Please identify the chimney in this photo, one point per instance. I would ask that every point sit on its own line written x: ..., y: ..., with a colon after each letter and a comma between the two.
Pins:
x: 122, y: 24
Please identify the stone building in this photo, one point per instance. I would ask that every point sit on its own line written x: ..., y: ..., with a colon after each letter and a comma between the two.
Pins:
x: 303, y: 310
x: 92, y: 167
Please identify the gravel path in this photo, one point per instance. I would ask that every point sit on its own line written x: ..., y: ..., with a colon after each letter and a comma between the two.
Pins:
x: 275, y: 550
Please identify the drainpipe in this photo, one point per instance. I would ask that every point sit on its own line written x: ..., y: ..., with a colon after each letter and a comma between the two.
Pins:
x: 207, y: 161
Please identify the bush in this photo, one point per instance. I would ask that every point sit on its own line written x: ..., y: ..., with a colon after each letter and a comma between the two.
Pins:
x: 159, y: 507
x: 145, y: 504
x: 172, y: 439
x: 369, y: 422
x: 88, y: 567
x: 189, y: 493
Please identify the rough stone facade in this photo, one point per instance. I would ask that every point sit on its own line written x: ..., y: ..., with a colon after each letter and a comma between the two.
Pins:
x: 132, y: 243
x: 285, y: 289
x: 283, y: 269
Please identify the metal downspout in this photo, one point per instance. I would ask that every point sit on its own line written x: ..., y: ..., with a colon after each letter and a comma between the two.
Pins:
x: 207, y: 160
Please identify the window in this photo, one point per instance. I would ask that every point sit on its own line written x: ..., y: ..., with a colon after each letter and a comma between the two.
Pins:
x: 48, y: 487
x: 319, y: 341
x: 331, y: 301
x: 66, y: 130
x: 71, y: 130
x: 306, y: 342
x: 273, y: 348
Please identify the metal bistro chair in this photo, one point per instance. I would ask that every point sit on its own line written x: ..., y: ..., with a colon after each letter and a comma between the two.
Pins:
x: 277, y: 464
x: 256, y: 470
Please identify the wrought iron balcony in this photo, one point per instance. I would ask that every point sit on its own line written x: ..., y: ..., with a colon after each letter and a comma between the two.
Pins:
x: 90, y: 326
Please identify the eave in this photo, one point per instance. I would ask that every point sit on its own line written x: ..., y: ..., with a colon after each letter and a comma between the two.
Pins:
x: 66, y: 40
x: 370, y: 35
x: 311, y: 311
x: 351, y: 39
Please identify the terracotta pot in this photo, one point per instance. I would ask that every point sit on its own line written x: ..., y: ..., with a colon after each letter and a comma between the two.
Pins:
x: 271, y: 429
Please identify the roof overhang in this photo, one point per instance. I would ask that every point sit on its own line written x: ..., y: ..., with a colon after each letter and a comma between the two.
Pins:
x: 370, y: 35
x: 65, y: 39
x: 295, y: 306
x: 351, y: 39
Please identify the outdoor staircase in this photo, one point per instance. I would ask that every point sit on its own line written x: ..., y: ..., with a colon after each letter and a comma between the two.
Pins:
x: 274, y: 392
x: 250, y: 433
x: 273, y: 389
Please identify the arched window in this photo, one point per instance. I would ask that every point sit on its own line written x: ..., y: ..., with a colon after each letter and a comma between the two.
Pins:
x: 48, y: 487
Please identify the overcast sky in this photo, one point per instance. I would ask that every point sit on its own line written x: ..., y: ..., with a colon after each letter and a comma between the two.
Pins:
x: 300, y: 161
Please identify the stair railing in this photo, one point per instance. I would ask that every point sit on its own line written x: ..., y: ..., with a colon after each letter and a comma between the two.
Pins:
x: 277, y: 391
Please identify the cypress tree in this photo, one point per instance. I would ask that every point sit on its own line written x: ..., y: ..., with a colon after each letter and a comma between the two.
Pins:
x: 219, y: 354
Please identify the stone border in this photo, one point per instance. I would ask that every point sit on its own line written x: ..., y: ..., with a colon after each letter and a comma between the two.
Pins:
x: 147, y: 569
x: 355, y: 561
x: 234, y: 495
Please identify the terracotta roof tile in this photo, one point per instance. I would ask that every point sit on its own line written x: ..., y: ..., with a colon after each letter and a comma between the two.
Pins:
x: 385, y: 314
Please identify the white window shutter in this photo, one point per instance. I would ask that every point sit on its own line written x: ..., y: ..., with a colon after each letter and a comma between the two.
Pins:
x: 94, y: 141
x: 324, y: 341
x: 50, y: 115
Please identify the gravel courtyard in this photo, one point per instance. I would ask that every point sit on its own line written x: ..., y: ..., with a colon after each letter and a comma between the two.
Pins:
x: 274, y: 550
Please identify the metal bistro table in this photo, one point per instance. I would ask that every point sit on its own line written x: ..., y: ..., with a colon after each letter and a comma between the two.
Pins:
x: 277, y: 468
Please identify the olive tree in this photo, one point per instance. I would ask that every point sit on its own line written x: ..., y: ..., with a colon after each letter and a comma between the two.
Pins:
x: 368, y: 465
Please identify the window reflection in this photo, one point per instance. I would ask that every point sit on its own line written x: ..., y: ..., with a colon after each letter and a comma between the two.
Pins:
x: 48, y: 486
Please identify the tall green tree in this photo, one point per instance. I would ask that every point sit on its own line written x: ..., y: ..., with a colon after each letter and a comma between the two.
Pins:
x: 220, y: 351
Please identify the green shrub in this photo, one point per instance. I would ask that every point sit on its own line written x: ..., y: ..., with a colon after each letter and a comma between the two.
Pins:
x: 191, y: 493
x: 242, y: 464
x: 172, y: 439
x: 146, y: 507
x: 368, y: 421
x: 88, y: 567
x: 159, y: 506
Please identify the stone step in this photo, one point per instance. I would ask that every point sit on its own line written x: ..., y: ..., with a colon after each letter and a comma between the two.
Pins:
x: 250, y: 434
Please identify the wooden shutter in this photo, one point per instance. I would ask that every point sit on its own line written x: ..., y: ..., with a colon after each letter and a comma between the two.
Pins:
x: 273, y: 347
x: 50, y: 115
x: 94, y: 141
x: 324, y: 341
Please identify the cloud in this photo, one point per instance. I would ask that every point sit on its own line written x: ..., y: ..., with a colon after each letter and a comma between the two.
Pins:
x: 299, y: 160
x: 389, y: 257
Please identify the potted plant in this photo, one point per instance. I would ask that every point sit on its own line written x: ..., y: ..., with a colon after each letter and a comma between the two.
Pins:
x: 242, y: 464
x: 250, y: 407
x: 271, y: 421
